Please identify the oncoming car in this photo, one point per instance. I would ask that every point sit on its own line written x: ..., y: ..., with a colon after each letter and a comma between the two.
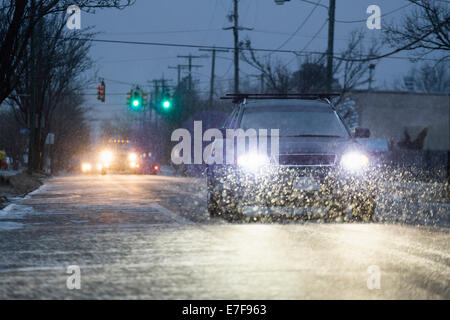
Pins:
x: 117, y: 156
x: 319, y: 162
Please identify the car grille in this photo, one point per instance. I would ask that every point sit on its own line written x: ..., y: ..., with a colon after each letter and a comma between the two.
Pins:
x: 307, y: 159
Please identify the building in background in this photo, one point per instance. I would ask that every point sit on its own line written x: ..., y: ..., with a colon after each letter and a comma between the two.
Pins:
x: 395, y: 116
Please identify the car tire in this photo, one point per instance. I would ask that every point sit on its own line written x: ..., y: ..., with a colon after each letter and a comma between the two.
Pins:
x: 233, y: 208
x: 214, y: 198
x: 213, y: 203
x: 336, y: 212
x: 222, y: 203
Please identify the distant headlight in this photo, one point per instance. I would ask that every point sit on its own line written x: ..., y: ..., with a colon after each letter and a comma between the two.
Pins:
x: 354, y: 161
x: 252, y: 161
x: 86, y: 167
x: 106, y: 156
x: 132, y: 157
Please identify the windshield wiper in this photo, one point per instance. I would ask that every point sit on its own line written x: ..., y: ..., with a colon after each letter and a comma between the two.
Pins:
x: 313, y: 136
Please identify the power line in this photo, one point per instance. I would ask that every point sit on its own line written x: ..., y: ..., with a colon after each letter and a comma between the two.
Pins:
x: 210, y: 23
x: 138, y: 59
x: 213, y: 65
x: 383, y: 15
x: 158, y: 32
x: 387, y: 55
x: 190, y: 66
x: 362, y: 20
x: 309, y: 42
x: 300, y: 26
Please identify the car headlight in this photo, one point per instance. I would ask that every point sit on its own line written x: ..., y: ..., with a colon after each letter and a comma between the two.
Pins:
x: 106, y: 156
x: 132, y: 157
x: 252, y: 161
x: 354, y: 161
x: 86, y: 167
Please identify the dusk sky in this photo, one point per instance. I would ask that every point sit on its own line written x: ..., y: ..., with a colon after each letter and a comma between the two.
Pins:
x: 200, y: 22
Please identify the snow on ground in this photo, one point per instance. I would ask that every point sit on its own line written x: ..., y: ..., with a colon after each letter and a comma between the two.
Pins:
x: 10, y: 226
x: 15, y: 211
x: 8, y: 173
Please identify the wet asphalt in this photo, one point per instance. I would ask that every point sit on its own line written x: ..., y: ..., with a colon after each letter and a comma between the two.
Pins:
x: 149, y: 237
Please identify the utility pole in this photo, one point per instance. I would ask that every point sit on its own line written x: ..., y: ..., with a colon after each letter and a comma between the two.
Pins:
x: 236, y: 30
x: 330, y: 51
x: 236, y: 46
x: 178, y: 68
x: 190, y: 66
x: 213, y: 66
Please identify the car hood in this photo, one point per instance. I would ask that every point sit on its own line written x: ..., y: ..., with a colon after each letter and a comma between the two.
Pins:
x: 316, y: 145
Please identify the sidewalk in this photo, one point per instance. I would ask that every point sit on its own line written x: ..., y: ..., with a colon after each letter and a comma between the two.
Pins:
x: 17, y: 183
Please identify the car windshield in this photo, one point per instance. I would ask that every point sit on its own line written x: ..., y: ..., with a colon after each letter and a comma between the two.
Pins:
x: 294, y: 121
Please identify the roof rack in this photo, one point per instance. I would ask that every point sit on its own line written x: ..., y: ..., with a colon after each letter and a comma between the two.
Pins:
x: 238, y: 97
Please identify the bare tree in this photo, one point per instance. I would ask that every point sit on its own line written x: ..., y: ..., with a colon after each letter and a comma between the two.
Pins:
x: 277, y: 76
x: 311, y: 77
x: 426, y: 28
x: 72, y: 132
x: 429, y: 78
x: 355, y: 73
x: 18, y: 20
x: 12, y: 140
x: 58, y: 64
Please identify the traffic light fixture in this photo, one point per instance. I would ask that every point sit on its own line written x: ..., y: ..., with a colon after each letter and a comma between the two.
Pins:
x: 144, y: 99
x: 136, y: 100
x: 101, y: 92
x: 129, y: 94
x: 166, y: 102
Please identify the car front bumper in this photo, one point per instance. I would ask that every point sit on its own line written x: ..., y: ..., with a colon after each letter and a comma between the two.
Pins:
x: 299, y: 186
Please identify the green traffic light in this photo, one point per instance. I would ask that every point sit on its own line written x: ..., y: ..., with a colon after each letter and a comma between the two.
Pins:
x: 166, y: 104
x: 135, y: 103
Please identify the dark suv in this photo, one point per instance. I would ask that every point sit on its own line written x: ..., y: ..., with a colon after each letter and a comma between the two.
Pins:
x: 320, y: 163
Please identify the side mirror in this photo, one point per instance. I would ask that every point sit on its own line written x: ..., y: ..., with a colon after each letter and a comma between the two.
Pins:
x: 362, y: 132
